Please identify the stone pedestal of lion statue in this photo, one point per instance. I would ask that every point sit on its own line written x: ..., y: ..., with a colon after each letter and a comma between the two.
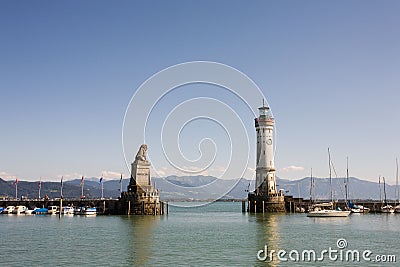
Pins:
x: 141, y: 197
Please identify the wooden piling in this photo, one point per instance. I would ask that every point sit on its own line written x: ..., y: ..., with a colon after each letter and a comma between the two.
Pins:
x: 129, y: 207
x: 243, y: 206
x: 263, y: 206
x: 60, y: 207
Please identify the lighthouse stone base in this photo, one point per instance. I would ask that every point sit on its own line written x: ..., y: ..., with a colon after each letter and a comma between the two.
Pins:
x: 266, y: 203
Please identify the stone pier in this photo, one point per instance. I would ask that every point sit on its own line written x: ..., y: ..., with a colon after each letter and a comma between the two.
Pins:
x: 141, y: 197
x: 270, y: 203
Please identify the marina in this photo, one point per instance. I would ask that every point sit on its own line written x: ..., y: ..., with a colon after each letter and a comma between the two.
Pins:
x: 112, y: 206
x: 68, y: 206
x: 300, y: 205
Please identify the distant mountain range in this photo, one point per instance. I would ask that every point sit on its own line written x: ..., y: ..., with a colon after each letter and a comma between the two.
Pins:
x: 358, y: 189
x: 198, y: 188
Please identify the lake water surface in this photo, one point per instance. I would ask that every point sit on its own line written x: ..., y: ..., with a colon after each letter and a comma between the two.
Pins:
x: 212, y: 235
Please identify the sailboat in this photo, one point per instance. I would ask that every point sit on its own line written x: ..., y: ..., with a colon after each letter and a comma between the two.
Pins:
x: 354, y: 208
x: 299, y: 208
x: 310, y: 206
x: 386, y: 208
x: 397, y: 208
x: 320, y: 210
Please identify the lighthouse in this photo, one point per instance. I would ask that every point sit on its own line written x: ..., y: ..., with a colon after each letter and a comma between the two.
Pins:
x: 265, y: 170
x: 266, y: 197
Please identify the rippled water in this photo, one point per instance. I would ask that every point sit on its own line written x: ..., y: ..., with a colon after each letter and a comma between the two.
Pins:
x: 214, y: 235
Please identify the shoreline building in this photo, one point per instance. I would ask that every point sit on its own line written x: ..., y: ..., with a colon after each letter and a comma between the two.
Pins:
x: 266, y: 196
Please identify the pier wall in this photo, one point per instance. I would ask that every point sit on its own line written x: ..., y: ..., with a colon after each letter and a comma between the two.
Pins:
x: 292, y: 203
x: 104, y: 206
x: 258, y: 204
x: 261, y: 204
x: 141, y: 208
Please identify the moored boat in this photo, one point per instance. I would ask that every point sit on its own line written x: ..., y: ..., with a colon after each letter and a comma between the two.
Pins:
x: 300, y: 209
x: 90, y: 211
x: 397, y: 209
x: 354, y: 208
x: 359, y: 209
x: 327, y: 209
x: 329, y: 213
x: 387, y: 209
x: 77, y: 210
x: 53, y: 210
x: 68, y: 210
x: 19, y: 210
x: 8, y: 210
x: 350, y: 205
x: 29, y: 211
x: 40, y: 211
x: 397, y: 195
x: 86, y: 211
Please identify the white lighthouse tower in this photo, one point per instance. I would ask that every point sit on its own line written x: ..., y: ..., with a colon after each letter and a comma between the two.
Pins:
x: 266, y: 197
x: 265, y: 171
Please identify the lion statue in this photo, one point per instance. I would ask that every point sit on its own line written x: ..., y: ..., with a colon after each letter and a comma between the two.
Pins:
x: 142, y: 153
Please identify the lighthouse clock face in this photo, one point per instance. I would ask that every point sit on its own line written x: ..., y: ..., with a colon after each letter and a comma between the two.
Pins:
x: 269, y: 141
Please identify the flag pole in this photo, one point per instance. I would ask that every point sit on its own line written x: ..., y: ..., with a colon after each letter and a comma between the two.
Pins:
x: 82, y: 183
x: 120, y: 184
x: 61, y: 191
x: 16, y: 189
x: 102, y: 187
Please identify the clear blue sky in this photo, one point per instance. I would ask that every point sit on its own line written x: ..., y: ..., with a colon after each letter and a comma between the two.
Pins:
x: 330, y: 71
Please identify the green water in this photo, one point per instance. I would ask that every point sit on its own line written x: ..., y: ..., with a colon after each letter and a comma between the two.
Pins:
x: 214, y: 235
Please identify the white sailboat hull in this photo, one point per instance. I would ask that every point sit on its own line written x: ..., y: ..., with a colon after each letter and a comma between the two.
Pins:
x: 397, y: 209
x: 329, y: 213
x: 360, y: 209
x: 387, y: 209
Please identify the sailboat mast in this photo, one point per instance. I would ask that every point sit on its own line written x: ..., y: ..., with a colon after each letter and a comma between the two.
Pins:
x: 330, y: 174
x: 380, y: 190
x: 346, y: 183
x: 397, y: 183
x: 298, y: 188
x: 311, y: 187
x: 384, y: 189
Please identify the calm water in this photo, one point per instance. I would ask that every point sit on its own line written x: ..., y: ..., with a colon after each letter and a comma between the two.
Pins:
x: 214, y: 235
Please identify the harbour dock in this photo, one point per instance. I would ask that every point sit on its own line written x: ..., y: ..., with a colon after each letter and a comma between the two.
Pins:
x: 103, y: 206
x: 374, y: 205
x: 141, y: 197
x: 296, y: 205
